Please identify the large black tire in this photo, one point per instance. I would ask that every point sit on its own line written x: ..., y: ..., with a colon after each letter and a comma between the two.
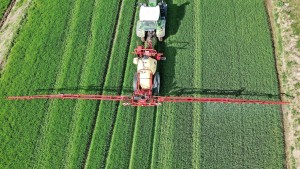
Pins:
x: 156, y: 84
x: 134, y: 84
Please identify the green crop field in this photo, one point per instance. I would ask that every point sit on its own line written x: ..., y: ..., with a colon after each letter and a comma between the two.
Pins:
x: 220, y: 48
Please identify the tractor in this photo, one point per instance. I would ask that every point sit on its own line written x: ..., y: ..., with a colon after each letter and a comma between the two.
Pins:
x: 152, y: 20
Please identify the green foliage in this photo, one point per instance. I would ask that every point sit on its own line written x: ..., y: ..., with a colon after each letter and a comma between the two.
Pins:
x: 233, y: 57
x: 143, y: 138
x: 55, y: 140
x: 280, y: 3
x: 237, y: 56
x: 32, y: 65
x: 173, y: 146
x: 113, y: 116
x: 213, y: 49
x: 3, y: 6
x: 99, y: 57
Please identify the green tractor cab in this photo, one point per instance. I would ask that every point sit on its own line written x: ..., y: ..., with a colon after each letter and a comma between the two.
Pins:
x: 152, y: 20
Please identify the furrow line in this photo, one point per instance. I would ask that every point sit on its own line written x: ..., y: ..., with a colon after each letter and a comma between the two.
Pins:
x: 155, y: 137
x: 50, y: 103
x: 132, y: 136
x: 197, y: 84
x: 272, y: 37
x: 102, y: 84
x: 135, y: 126
x: 83, y: 66
x: 109, y: 139
x: 87, y: 149
x: 122, y: 84
x: 69, y: 74
x: 151, y: 154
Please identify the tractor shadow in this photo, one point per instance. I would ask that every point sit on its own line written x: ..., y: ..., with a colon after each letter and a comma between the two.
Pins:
x: 168, y: 90
x: 166, y: 68
x: 175, y: 14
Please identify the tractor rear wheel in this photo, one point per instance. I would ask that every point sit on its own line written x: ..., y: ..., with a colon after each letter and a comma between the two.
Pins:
x: 156, y: 84
x: 134, y: 84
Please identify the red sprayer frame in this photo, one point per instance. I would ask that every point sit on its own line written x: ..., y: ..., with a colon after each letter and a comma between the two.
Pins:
x: 153, y: 101
x: 140, y: 51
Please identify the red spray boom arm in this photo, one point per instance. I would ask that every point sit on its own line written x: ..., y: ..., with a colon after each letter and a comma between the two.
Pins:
x: 154, y: 101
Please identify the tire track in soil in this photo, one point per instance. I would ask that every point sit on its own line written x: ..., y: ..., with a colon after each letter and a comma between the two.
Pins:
x: 150, y: 160
x: 161, y: 48
x: 132, y: 136
x: 102, y: 89
x: 104, y: 162
x: 7, y: 12
x: 197, y: 83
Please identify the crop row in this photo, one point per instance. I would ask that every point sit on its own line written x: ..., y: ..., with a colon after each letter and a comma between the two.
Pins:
x: 32, y: 65
x: 89, y: 48
x: 80, y: 71
x: 92, y: 81
x: 173, y: 138
x: 221, y: 47
x: 56, y: 128
x: 102, y: 140
x: 233, y: 56
x: 238, y: 60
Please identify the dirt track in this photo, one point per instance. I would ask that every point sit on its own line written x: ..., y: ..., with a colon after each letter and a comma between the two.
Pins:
x: 285, y: 38
x: 9, y: 26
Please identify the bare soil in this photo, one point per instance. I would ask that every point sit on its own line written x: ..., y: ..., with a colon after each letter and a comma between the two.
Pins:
x: 288, y: 65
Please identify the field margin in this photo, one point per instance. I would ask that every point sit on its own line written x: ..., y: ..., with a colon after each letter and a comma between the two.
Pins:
x: 7, y: 12
x: 284, y: 20
x: 12, y: 21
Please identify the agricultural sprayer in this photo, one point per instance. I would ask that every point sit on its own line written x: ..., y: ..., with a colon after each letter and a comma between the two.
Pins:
x: 146, y: 81
x: 146, y: 85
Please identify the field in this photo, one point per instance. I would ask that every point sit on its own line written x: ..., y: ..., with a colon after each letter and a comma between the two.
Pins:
x: 214, y: 49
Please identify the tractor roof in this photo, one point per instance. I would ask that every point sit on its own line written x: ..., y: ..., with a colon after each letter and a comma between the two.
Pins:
x: 149, y: 13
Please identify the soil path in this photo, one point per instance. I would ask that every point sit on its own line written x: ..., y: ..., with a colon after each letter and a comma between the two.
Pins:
x: 6, y: 13
x: 288, y: 65
x: 9, y: 26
